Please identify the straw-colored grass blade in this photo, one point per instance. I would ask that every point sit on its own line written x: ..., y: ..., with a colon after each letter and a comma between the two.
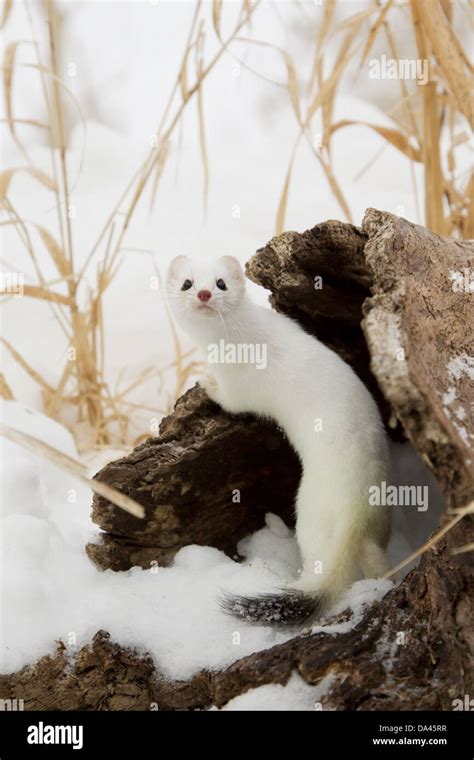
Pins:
x: 27, y: 122
x: 430, y: 141
x: 379, y: 22
x: 160, y: 164
x: 39, y: 380
x: 323, y: 31
x: 8, y: 69
x: 55, y: 251
x: 329, y: 9
x: 463, y: 549
x: 200, y: 107
x: 7, y: 175
x: 336, y: 189
x: 432, y: 541
x: 53, y: 403
x: 203, y: 146
x: 393, y: 136
x: 293, y: 87
x: 357, y: 18
x: 441, y: 36
x: 281, y: 213
x: 7, y: 6
x: 183, y: 77
x: 216, y: 16
x: 43, y: 294
x: 327, y: 88
x: 5, y: 390
x: 72, y: 466
x: 434, y: 180
x: 47, y: 72
x: 469, y: 224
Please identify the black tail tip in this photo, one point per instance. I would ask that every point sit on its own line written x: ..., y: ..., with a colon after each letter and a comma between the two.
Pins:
x: 285, y: 609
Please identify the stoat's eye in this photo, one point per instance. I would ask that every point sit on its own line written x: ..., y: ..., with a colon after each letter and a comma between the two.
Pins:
x: 186, y: 285
x: 221, y: 285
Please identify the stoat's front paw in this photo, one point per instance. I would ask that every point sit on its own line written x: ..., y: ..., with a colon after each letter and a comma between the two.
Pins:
x: 211, y: 386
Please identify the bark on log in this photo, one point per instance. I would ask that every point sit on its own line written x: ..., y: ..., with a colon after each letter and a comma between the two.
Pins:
x: 320, y: 279
x: 103, y: 676
x: 415, y: 307
x: 413, y: 650
x: 187, y: 479
x: 329, y: 308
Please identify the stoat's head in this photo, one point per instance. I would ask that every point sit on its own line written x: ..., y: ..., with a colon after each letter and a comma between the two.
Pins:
x: 199, y: 289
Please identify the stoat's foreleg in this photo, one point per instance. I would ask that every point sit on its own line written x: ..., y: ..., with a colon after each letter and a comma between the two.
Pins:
x: 210, y: 384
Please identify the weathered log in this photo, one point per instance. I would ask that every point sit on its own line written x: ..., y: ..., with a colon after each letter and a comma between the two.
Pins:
x: 418, y: 324
x: 208, y: 479
x: 103, y: 676
x: 320, y: 279
x: 421, y: 307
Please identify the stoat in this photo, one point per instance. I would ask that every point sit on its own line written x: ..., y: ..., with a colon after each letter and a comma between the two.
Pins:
x: 329, y: 416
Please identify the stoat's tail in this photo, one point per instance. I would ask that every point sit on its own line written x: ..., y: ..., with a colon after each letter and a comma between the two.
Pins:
x: 304, y: 605
x: 285, y: 609
x: 337, y: 532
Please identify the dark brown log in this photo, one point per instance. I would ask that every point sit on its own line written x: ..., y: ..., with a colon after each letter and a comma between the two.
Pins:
x: 208, y: 479
x: 103, y: 676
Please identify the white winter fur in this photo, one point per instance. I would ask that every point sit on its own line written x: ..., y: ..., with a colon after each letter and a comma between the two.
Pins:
x: 304, y: 381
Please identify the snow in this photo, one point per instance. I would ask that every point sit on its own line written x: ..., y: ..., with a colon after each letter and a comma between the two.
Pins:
x: 461, y: 365
x: 296, y: 694
x: 50, y: 590
x: 457, y: 368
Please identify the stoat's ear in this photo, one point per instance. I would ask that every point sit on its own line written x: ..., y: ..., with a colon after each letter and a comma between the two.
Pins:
x: 175, y: 267
x: 233, y: 266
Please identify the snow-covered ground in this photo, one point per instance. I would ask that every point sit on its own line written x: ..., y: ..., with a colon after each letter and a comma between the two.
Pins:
x: 125, y: 57
x: 49, y: 590
x: 296, y: 695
